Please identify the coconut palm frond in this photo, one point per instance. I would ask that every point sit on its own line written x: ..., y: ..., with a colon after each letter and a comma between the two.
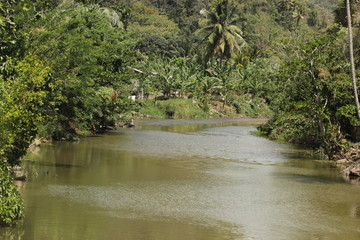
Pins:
x: 223, y: 36
x: 112, y: 16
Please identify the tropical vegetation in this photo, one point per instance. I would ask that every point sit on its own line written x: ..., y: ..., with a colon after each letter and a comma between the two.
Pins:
x: 71, y: 68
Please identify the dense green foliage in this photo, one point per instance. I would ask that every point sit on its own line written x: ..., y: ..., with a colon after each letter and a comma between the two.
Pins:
x: 70, y: 68
x: 10, y: 200
x: 89, y: 59
x: 317, y: 90
x: 23, y: 90
x: 315, y: 103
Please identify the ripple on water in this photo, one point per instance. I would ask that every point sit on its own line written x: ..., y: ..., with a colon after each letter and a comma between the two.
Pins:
x: 171, y: 201
x: 213, y: 143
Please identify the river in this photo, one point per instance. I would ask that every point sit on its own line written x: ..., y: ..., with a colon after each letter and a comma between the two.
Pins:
x: 208, y: 179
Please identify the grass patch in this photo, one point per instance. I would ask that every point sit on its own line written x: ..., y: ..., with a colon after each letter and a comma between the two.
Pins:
x: 251, y: 107
x: 173, y: 108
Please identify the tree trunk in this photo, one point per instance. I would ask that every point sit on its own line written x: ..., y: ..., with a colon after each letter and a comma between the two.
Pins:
x: 351, y: 48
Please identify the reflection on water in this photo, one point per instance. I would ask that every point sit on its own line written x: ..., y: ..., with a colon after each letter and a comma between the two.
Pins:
x: 355, y: 211
x: 188, y: 126
x: 179, y: 179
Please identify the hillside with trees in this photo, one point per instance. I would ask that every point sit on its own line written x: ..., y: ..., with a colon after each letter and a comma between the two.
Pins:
x: 69, y: 68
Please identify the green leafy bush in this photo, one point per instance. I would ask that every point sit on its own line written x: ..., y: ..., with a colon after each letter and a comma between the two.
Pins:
x: 312, y: 106
x: 22, y: 95
x: 90, y: 71
x: 11, y: 204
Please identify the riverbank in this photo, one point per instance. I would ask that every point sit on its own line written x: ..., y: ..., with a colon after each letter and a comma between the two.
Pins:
x: 349, y: 163
x: 191, y: 109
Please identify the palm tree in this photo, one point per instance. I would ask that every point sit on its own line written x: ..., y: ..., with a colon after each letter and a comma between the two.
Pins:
x: 112, y: 17
x: 224, y: 38
x: 351, y: 48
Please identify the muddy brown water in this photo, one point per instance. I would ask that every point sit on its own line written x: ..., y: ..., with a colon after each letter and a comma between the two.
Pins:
x: 184, y: 180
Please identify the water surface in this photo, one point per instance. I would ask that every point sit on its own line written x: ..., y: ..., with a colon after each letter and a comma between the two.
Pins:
x: 181, y: 179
